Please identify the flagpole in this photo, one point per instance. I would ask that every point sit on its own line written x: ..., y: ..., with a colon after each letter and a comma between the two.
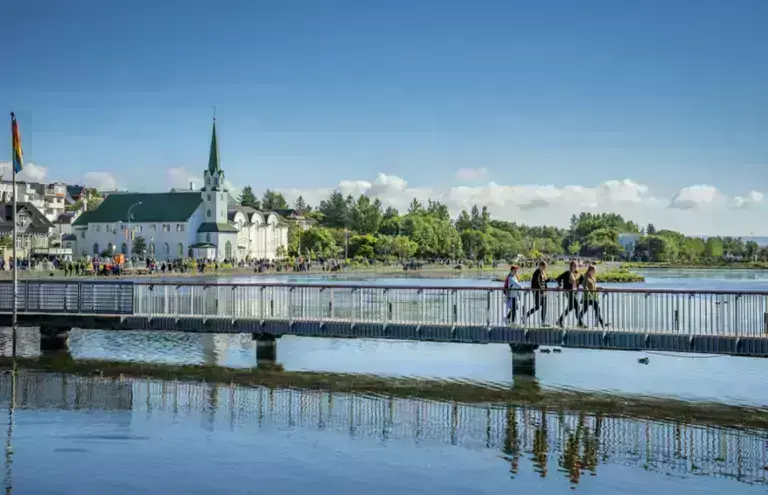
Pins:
x: 15, y: 259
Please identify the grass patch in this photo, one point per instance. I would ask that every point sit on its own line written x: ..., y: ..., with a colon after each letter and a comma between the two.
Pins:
x: 609, y: 277
x: 718, y: 265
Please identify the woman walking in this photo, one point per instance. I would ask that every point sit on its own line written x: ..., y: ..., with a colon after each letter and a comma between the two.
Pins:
x: 591, y: 296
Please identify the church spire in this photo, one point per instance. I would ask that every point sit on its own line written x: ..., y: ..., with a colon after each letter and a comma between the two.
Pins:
x: 213, y: 160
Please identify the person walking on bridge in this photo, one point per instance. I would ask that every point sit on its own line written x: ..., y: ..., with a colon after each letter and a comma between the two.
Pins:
x: 590, y: 296
x: 539, y: 288
x: 512, y: 292
x: 569, y: 281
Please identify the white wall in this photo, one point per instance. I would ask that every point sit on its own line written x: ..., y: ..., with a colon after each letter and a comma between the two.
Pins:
x: 98, y: 233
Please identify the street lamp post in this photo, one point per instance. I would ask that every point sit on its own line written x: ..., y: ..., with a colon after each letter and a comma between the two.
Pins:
x: 129, y: 237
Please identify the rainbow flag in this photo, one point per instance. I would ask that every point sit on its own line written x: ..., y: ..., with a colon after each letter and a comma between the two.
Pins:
x: 18, y: 156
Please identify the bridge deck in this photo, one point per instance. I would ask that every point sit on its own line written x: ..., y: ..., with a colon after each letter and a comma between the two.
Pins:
x: 666, y: 320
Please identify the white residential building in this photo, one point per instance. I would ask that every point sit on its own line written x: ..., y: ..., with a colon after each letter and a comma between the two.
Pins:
x: 178, y: 224
x: 50, y: 199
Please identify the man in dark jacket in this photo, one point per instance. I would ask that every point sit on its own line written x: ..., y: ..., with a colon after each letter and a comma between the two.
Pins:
x: 569, y: 281
x: 539, y: 288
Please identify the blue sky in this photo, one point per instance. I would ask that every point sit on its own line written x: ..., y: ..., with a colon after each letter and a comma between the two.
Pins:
x: 308, y: 93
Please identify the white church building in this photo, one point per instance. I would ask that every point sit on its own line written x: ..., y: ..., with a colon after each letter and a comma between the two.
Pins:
x: 179, y: 224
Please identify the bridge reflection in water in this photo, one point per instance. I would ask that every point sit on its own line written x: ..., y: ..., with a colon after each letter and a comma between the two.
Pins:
x: 570, y: 443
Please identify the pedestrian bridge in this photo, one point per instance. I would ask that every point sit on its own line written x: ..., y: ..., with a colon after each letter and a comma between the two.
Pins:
x: 571, y: 442
x: 714, y: 322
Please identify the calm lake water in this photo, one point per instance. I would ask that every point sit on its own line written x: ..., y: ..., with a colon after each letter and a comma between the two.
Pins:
x: 94, y: 435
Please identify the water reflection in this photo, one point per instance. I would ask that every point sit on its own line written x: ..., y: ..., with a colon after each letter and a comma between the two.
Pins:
x: 559, y: 443
x: 695, y: 378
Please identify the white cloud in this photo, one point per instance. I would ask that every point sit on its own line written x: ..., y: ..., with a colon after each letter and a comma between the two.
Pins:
x: 697, y: 209
x: 30, y: 173
x: 100, y: 180
x: 180, y: 178
x: 693, y: 197
x: 472, y: 174
x: 753, y: 198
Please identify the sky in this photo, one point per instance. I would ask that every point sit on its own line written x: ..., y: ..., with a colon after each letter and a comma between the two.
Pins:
x: 655, y: 109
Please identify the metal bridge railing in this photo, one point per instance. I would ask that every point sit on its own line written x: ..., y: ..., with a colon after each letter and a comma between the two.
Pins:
x: 678, y: 312
x: 650, y: 311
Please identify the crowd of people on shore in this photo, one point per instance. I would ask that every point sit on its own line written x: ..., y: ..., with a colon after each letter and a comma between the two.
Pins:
x: 571, y: 282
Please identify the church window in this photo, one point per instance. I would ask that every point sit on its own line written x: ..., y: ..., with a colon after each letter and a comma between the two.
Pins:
x: 207, y: 237
x: 216, y: 181
x: 209, y: 198
x: 208, y: 213
x: 98, y: 228
x: 96, y: 248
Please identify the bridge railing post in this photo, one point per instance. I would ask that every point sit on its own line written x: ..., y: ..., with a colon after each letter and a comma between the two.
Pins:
x: 488, y: 308
x: 454, y: 301
x: 331, y: 308
x: 423, y: 305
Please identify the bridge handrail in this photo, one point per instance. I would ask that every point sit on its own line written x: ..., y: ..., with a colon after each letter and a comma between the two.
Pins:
x: 359, y: 286
x: 627, y: 290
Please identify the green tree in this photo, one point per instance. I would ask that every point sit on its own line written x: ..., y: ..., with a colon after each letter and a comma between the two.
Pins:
x: 273, y: 200
x: 362, y: 246
x: 476, y: 245
x: 336, y: 211
x: 319, y: 242
x: 464, y: 221
x: 713, y: 248
x: 301, y: 205
x: 139, y: 246
x: 404, y: 247
x: 367, y: 215
x: 574, y: 248
x: 247, y: 198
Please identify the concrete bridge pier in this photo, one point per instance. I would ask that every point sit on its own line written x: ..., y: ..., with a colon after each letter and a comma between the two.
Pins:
x: 523, y: 360
x: 266, y: 349
x: 54, y: 338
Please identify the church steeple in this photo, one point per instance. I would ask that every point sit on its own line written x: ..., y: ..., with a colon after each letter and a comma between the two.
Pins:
x: 213, y: 159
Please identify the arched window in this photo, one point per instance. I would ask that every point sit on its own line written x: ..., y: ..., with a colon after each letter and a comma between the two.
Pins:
x: 167, y: 249
x: 208, y: 213
x: 228, y: 250
x: 207, y: 237
x: 181, y: 250
x: 152, y: 249
x: 124, y: 248
x: 96, y: 248
x: 191, y: 253
x: 216, y: 180
x: 110, y: 248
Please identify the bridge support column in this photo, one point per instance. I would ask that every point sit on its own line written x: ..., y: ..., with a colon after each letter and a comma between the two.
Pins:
x: 266, y: 348
x: 523, y: 360
x: 54, y: 338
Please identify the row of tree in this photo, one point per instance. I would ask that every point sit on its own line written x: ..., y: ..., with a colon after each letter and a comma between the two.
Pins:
x: 363, y: 227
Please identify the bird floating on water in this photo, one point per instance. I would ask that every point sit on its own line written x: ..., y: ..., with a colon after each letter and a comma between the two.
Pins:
x: 643, y: 360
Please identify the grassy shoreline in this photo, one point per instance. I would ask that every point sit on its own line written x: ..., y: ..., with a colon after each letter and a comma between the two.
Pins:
x: 608, y: 274
x: 524, y: 394
x: 759, y: 265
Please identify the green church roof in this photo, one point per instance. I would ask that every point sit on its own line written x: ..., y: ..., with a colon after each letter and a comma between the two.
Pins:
x: 216, y: 227
x: 153, y: 207
x: 213, y: 159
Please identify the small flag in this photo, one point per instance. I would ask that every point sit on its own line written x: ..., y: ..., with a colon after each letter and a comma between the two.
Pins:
x: 18, y: 156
